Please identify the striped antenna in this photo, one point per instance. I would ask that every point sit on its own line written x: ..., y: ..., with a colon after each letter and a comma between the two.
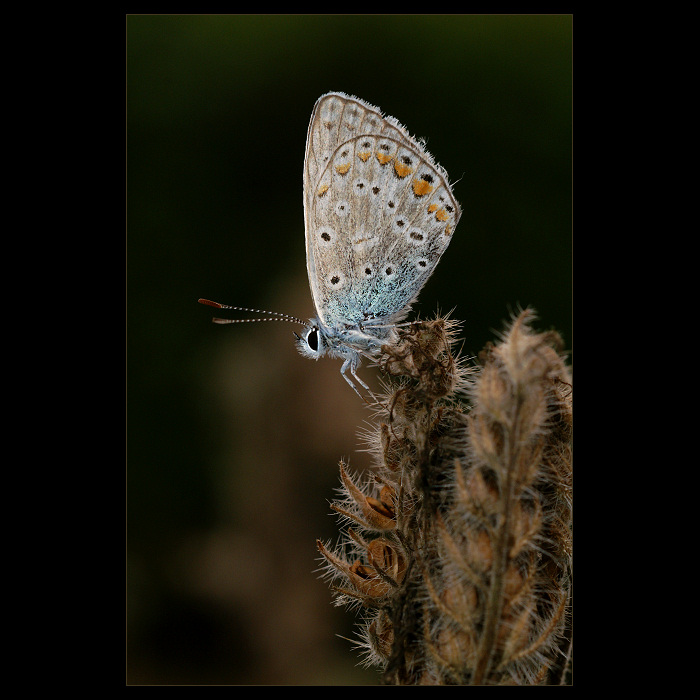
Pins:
x: 275, y: 316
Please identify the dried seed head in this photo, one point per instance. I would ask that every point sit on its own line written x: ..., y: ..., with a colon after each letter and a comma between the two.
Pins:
x: 462, y: 561
x: 367, y: 581
x: 374, y: 514
x: 387, y: 558
x: 381, y: 634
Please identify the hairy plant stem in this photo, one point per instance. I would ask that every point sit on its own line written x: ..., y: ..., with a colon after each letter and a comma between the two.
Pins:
x: 495, y: 599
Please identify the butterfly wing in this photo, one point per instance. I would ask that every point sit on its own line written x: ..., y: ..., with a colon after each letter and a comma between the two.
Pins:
x: 379, y: 213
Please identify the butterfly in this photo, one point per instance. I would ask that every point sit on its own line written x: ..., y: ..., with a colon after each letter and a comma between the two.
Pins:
x: 379, y: 213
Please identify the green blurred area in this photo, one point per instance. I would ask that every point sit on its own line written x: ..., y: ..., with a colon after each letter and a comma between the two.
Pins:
x: 233, y: 438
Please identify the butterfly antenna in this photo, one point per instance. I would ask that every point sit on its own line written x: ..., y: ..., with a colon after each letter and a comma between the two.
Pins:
x: 275, y: 316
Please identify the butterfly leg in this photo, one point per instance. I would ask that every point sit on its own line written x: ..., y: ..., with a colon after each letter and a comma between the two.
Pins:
x: 343, y: 371
x: 351, y: 363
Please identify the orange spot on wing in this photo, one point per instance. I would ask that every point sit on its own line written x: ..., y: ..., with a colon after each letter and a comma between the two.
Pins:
x: 383, y: 158
x: 342, y: 169
x: 322, y: 190
x: 442, y: 215
x: 421, y: 187
x: 402, y: 169
x: 432, y: 208
x: 364, y: 156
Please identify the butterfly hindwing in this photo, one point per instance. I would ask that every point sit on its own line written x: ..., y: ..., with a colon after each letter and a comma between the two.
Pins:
x: 379, y: 213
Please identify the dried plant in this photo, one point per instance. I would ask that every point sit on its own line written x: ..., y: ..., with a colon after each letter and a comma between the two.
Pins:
x: 457, y: 550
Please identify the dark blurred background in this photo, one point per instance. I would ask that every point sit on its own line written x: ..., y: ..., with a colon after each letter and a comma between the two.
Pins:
x: 233, y: 438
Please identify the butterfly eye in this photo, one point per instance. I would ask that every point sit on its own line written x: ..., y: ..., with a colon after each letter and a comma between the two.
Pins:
x: 312, y: 339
